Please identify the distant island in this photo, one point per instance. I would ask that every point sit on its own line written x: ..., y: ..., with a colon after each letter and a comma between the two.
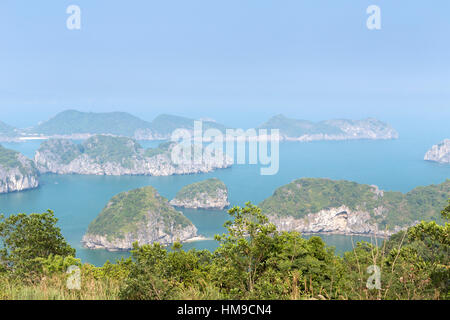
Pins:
x: 302, y: 130
x: 439, y: 153
x: 140, y: 215
x: 313, y: 205
x: 17, y: 172
x: 72, y: 124
x: 207, y: 194
x: 109, y: 155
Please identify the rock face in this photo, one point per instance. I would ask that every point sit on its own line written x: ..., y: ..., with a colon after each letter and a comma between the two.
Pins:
x: 439, y: 153
x: 302, y: 130
x: 340, y: 220
x: 208, y: 194
x: 108, y: 155
x: 140, y: 215
x: 311, y: 205
x: 17, y: 172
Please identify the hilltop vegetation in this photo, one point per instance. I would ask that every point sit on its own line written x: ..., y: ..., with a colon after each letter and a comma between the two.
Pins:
x: 17, y: 172
x: 7, y: 130
x: 9, y: 158
x: 253, y: 261
x: 112, y: 155
x: 72, y: 122
x: 165, y: 124
x: 208, y: 187
x: 140, y: 215
x: 309, y: 195
x: 75, y: 122
x: 207, y: 194
x: 302, y: 130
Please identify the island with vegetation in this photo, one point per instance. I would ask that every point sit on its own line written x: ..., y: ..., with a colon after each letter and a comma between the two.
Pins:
x: 303, y: 130
x: 312, y: 205
x: 140, y: 215
x: 439, y: 153
x: 253, y: 261
x: 207, y: 194
x: 8, y: 133
x: 17, y: 172
x: 73, y: 124
x: 109, y: 155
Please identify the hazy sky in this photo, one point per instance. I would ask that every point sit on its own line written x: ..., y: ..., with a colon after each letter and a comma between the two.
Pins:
x: 238, y: 61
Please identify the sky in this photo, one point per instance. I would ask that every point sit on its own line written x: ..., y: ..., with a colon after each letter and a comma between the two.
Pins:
x: 236, y: 61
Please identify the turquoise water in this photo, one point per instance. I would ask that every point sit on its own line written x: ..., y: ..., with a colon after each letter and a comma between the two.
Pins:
x: 392, y: 165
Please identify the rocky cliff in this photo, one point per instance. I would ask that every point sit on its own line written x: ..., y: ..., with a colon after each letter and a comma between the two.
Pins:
x: 140, y: 215
x: 440, y: 152
x: 17, y: 172
x: 108, y: 155
x: 343, y: 207
x: 208, y: 194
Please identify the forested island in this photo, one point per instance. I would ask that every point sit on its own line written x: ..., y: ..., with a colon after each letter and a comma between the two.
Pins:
x: 110, y: 155
x: 72, y: 124
x: 339, y: 129
x: 207, y: 194
x: 17, y: 172
x: 439, y: 153
x: 140, y: 215
x: 312, y: 205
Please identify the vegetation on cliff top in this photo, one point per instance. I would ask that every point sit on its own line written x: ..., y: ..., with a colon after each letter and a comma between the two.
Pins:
x: 310, y: 195
x: 209, y: 187
x: 127, y: 211
x: 9, y: 159
x: 7, y: 130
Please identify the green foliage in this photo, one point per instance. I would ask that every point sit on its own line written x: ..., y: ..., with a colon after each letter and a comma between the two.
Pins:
x: 157, y: 274
x: 27, y: 240
x: 297, y: 128
x: 310, y: 195
x: 6, y: 130
x: 102, y: 149
x: 127, y: 211
x: 9, y: 158
x: 209, y: 187
x: 112, y: 149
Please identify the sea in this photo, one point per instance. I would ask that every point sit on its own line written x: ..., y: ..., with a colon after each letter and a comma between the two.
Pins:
x: 396, y: 165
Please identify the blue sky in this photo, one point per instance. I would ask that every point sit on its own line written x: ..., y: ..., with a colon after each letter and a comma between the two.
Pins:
x: 238, y: 61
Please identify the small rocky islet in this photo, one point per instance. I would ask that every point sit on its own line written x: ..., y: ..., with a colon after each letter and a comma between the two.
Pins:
x: 207, y: 194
